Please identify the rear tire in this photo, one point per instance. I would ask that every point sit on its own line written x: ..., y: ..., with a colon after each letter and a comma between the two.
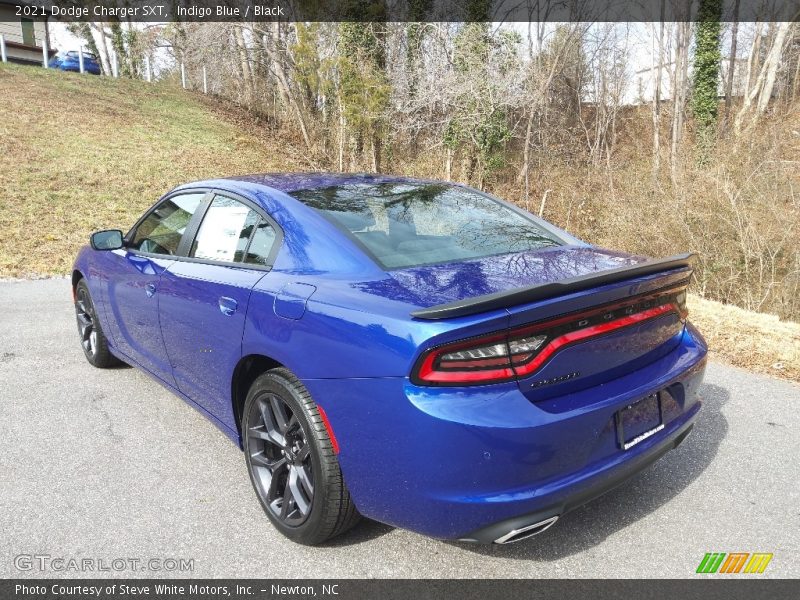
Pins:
x: 93, y: 340
x: 291, y: 462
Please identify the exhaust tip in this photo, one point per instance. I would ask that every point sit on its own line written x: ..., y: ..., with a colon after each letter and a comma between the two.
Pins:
x: 522, y: 533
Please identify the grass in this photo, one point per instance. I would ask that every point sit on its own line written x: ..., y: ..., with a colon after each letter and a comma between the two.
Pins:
x: 754, y: 341
x: 83, y: 153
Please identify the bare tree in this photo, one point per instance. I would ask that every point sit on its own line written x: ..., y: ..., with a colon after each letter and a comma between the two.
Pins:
x: 731, y: 62
x: 760, y: 92
x: 680, y: 93
x: 269, y: 34
x: 658, y: 60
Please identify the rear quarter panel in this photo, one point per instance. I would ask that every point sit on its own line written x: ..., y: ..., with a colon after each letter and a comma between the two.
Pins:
x: 344, y: 333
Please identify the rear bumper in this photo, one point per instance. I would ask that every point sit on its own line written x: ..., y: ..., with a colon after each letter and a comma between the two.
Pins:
x: 578, y: 493
x: 475, y: 463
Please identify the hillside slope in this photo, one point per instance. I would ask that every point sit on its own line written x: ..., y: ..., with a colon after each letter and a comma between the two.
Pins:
x: 82, y: 153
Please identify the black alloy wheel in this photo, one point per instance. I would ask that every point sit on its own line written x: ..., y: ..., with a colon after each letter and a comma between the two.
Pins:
x: 292, y: 461
x: 281, y: 459
x: 93, y: 340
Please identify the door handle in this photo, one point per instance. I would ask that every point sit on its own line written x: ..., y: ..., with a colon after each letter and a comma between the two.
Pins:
x: 150, y: 289
x: 227, y: 306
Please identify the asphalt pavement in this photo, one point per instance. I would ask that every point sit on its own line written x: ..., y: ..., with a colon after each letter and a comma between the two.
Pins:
x: 103, y: 466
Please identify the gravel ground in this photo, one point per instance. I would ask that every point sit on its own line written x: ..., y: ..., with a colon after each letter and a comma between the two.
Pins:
x: 104, y: 464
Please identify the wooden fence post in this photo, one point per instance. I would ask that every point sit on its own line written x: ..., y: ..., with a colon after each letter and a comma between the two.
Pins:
x: 80, y: 59
x: 183, y: 76
x: 205, y: 81
x: 3, y: 48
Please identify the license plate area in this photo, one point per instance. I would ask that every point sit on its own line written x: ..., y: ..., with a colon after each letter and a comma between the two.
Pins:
x: 639, y: 420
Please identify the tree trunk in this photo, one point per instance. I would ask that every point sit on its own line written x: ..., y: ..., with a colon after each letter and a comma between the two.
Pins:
x: 526, y: 150
x: 765, y: 82
x: 658, y: 57
x: 731, y: 64
x: 342, y: 129
x: 679, y: 93
x: 536, y: 101
x: 105, y: 56
x: 283, y: 83
x: 771, y: 66
x: 244, y: 61
x: 376, y: 153
x: 752, y: 61
x: 448, y: 165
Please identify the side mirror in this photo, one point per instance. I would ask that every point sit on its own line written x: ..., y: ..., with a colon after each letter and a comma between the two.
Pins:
x: 110, y: 239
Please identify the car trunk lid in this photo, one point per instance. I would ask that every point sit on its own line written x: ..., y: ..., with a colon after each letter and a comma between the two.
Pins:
x: 592, y: 315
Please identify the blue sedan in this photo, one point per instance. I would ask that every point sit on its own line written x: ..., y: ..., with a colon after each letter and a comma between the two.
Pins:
x: 417, y: 352
x: 70, y: 61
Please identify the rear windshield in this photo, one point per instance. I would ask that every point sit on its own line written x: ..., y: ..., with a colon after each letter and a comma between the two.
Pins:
x: 408, y: 225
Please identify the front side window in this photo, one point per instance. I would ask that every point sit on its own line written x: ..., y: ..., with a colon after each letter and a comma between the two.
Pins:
x: 406, y: 225
x: 225, y: 232
x: 161, y: 231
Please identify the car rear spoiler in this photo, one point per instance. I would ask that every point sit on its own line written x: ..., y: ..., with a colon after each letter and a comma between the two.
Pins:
x: 544, y: 291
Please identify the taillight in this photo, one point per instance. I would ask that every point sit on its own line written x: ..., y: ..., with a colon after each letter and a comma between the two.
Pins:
x: 484, y: 359
x: 521, y: 351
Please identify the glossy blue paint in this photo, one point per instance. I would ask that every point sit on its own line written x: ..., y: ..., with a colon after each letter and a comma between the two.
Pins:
x: 444, y: 461
x: 292, y: 299
x: 134, y: 309
x: 447, y: 461
x: 70, y: 61
x: 203, y: 343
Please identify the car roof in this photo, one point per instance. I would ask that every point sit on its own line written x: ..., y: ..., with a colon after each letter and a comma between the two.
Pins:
x: 293, y: 182
x: 278, y: 187
x: 313, y: 242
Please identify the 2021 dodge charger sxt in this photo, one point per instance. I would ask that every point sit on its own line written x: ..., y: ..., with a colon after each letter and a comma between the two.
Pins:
x: 417, y: 352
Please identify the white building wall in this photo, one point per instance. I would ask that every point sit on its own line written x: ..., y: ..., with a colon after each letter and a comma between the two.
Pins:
x: 11, y: 26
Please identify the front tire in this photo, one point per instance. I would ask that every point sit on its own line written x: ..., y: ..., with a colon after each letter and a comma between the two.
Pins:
x: 291, y: 462
x: 93, y: 340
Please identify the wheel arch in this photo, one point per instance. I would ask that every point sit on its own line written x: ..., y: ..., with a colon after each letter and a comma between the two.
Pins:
x: 76, y: 277
x: 244, y: 374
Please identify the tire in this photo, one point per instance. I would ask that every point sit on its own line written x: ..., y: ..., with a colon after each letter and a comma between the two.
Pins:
x: 93, y: 340
x: 291, y: 462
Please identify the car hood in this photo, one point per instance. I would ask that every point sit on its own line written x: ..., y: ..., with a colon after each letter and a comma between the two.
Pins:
x: 438, y: 284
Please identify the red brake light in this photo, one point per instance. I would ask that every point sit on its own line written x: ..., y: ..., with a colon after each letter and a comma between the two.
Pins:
x: 522, y: 351
x: 484, y: 359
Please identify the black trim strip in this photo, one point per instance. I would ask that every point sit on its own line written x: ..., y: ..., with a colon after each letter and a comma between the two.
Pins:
x: 193, y: 226
x: 498, y: 300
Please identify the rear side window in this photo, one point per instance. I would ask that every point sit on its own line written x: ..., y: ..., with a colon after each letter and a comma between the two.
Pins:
x: 225, y: 232
x: 261, y: 244
x: 407, y: 225
x: 161, y: 231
